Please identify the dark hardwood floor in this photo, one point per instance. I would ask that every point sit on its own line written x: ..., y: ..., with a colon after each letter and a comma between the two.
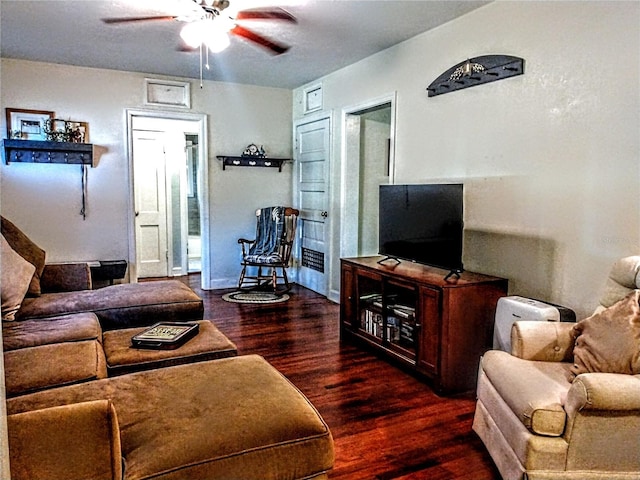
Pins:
x: 386, y: 424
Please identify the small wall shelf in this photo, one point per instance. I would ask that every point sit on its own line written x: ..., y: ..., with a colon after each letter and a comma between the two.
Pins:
x: 37, y: 151
x: 249, y: 161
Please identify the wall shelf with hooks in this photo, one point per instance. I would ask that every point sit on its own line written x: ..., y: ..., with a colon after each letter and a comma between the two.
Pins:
x: 476, y: 71
x: 251, y: 161
x: 39, y: 151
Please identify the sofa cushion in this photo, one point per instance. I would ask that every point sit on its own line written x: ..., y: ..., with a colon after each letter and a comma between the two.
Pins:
x: 209, y: 344
x: 121, y: 306
x: 60, y: 443
x: 16, y: 275
x: 235, y: 418
x: 28, y: 250
x: 609, y: 341
x: 535, y: 391
x: 66, y: 328
x: 48, y: 366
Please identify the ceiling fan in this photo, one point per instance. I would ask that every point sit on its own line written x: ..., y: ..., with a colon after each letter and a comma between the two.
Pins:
x: 208, y: 24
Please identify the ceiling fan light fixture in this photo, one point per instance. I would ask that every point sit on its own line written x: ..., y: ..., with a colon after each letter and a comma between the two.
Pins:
x: 193, y: 33
x: 216, y: 41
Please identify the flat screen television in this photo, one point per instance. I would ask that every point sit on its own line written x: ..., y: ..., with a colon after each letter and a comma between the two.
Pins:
x: 423, y: 224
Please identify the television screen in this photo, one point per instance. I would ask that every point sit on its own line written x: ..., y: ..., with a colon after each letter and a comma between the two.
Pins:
x: 422, y: 223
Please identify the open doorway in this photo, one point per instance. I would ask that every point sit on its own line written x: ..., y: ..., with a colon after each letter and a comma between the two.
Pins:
x: 169, y: 220
x: 368, y: 136
x: 194, y: 238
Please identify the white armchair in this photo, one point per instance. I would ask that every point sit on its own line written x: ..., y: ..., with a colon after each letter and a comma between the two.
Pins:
x: 538, y: 420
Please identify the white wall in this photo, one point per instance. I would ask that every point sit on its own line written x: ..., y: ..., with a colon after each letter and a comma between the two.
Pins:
x: 45, y: 200
x: 550, y: 159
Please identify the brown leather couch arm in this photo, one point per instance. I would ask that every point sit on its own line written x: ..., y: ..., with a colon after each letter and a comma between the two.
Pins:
x: 80, y: 440
x: 65, y: 277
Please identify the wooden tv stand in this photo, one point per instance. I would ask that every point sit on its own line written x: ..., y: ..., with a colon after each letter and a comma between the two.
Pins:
x: 409, y: 313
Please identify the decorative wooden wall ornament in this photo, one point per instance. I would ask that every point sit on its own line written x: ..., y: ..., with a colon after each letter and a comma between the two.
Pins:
x: 476, y: 71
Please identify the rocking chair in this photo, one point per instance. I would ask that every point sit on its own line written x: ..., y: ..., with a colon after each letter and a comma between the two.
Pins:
x: 270, y: 251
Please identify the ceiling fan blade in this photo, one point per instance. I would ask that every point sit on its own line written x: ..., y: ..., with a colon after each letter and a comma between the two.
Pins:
x: 266, y: 14
x: 275, y: 48
x: 138, y: 19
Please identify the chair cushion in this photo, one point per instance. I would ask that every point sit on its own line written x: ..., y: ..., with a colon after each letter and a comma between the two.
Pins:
x: 273, y: 258
x: 28, y: 250
x: 235, y: 418
x: 609, y: 341
x: 535, y: 391
x: 16, y: 277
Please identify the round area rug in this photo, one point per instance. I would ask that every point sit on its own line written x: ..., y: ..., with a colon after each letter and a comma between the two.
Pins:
x: 254, y: 297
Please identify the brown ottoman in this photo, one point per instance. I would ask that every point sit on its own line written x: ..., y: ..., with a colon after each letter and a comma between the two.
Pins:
x: 231, y: 419
x: 208, y: 344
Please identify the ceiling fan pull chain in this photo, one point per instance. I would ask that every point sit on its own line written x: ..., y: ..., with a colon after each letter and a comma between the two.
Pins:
x: 200, y: 65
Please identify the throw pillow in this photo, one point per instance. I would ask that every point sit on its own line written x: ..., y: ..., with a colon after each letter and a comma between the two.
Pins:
x: 28, y: 250
x: 14, y: 280
x: 609, y: 341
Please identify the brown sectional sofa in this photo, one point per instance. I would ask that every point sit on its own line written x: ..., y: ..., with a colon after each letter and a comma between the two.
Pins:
x: 231, y: 418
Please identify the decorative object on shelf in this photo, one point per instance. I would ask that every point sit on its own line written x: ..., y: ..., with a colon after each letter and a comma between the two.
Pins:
x: 25, y: 124
x: 251, y: 161
x: 476, y: 71
x: 58, y: 130
x: 253, y: 150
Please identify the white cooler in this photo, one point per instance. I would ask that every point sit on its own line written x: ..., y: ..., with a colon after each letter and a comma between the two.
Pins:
x: 513, y: 308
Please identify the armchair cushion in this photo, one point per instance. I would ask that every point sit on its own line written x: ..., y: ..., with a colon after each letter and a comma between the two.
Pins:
x: 28, y: 250
x: 623, y: 278
x: 16, y: 277
x: 81, y: 440
x: 609, y: 341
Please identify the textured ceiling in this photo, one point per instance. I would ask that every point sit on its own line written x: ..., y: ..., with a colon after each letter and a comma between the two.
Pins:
x: 329, y: 35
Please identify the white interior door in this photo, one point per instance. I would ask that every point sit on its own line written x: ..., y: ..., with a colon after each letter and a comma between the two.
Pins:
x: 150, y: 203
x: 312, y: 160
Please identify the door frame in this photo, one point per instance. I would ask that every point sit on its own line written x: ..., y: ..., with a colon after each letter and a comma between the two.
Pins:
x: 329, y: 225
x: 350, y: 169
x: 203, y: 165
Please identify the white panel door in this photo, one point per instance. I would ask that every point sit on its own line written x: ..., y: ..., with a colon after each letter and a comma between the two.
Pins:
x: 312, y: 161
x: 150, y: 203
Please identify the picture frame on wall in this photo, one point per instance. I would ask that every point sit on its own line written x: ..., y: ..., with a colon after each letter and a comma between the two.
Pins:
x: 24, y: 124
